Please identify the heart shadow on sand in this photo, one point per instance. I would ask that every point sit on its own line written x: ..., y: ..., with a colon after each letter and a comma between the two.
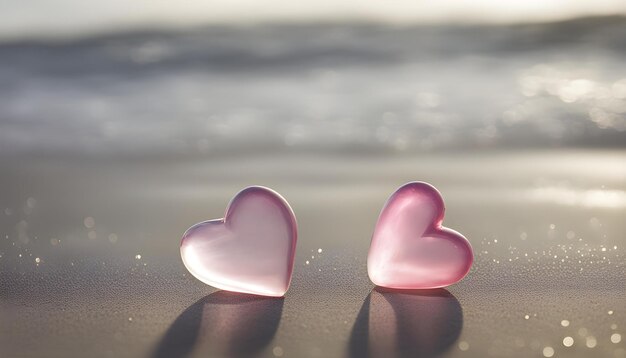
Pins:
x: 406, y: 323
x: 223, y: 323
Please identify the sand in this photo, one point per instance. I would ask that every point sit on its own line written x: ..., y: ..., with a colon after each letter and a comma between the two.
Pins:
x: 90, y: 263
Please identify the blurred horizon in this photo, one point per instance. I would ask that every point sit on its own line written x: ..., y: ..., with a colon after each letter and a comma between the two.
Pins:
x: 72, y: 18
x: 317, y: 88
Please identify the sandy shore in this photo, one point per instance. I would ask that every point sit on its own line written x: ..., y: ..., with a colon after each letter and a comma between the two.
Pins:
x: 547, y: 229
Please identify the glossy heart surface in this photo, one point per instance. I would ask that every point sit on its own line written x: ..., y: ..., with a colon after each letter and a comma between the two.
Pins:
x: 251, y: 250
x: 410, y: 248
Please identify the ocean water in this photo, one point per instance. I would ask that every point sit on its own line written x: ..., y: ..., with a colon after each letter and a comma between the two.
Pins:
x: 317, y: 88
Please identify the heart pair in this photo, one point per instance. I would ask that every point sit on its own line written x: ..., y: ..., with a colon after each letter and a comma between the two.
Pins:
x: 252, y: 249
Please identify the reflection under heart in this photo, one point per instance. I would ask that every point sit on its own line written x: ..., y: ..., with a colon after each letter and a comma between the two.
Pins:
x: 406, y: 323
x: 223, y: 323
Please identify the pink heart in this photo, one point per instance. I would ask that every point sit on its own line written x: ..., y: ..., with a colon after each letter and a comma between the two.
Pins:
x: 250, y: 250
x: 410, y: 248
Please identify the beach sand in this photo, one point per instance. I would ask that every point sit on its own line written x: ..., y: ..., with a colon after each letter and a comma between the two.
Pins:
x: 91, y: 266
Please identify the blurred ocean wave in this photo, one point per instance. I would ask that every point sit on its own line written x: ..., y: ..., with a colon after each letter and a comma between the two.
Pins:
x: 317, y: 88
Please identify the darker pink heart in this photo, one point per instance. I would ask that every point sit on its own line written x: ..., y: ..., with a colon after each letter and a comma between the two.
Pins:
x: 250, y: 250
x: 410, y: 248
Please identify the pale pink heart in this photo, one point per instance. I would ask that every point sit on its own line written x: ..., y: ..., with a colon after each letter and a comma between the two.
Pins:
x: 250, y: 250
x: 410, y: 248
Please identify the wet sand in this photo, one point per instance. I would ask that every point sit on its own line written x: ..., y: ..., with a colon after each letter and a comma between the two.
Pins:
x: 90, y: 263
